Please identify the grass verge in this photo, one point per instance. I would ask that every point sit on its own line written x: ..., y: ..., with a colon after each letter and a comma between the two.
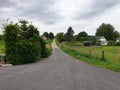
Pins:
x: 48, y: 44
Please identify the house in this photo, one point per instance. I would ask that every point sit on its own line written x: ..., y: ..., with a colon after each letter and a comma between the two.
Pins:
x: 101, y: 40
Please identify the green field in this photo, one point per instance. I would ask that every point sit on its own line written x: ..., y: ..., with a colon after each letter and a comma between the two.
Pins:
x: 2, y: 47
x: 83, y: 53
x: 73, y: 43
x: 110, y: 52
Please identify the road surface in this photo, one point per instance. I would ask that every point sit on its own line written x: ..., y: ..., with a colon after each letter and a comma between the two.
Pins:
x: 58, y: 72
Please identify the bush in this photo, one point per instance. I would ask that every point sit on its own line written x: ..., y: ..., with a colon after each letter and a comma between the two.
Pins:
x: 43, y: 48
x: 111, y: 43
x: 118, y: 43
x: 23, y: 43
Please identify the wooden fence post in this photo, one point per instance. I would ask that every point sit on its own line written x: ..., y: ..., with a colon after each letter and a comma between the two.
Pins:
x: 103, y: 56
x: 95, y: 53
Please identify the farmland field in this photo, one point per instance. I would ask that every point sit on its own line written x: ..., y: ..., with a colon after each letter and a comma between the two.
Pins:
x: 110, y: 52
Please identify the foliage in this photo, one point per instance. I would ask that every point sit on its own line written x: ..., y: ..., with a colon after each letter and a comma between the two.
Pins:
x: 23, y: 43
x: 83, y: 34
x: 46, y: 34
x: 69, y: 35
x: 77, y: 38
x: 51, y: 35
x: 43, y: 48
x: 1, y: 37
x: 111, y: 43
x: 118, y: 44
x: 11, y: 34
x: 107, y: 30
x: 60, y: 37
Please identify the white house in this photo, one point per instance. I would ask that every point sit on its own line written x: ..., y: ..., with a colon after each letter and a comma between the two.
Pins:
x: 101, y: 40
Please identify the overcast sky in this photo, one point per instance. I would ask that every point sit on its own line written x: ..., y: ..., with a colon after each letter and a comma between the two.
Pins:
x: 57, y: 15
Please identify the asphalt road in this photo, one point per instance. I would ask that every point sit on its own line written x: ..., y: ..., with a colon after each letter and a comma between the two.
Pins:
x: 58, y: 72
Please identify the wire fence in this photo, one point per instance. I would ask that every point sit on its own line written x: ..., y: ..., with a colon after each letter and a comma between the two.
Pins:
x: 98, y: 52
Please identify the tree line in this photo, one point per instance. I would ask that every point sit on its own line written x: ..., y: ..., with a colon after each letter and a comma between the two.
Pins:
x: 106, y: 30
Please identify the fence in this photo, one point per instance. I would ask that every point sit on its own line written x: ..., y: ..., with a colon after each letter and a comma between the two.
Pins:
x: 112, y: 56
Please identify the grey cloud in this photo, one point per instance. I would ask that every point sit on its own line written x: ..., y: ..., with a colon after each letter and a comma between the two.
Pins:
x: 7, y: 3
x: 97, y: 7
x: 42, y: 10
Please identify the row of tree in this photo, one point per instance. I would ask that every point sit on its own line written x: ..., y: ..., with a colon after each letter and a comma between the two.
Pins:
x: 48, y: 35
x: 23, y: 43
x: 106, y: 30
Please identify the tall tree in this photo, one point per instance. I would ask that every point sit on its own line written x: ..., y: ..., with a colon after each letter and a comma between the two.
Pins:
x: 69, y: 35
x: 51, y: 35
x: 46, y: 34
x: 108, y: 31
x: 60, y: 37
x: 83, y: 34
x: 11, y: 37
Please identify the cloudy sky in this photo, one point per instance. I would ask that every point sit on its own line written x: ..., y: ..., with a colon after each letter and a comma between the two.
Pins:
x: 57, y: 15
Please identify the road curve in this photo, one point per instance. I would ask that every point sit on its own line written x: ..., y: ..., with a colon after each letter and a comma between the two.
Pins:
x: 58, y: 72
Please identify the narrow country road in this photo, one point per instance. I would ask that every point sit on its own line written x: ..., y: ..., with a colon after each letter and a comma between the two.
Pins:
x: 58, y: 72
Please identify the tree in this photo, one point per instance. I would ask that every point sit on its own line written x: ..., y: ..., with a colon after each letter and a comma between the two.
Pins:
x: 51, y: 35
x: 60, y: 37
x: 83, y: 34
x: 11, y: 37
x: 23, y: 43
x: 108, y: 31
x: 46, y: 34
x: 1, y: 37
x: 43, y: 48
x: 69, y: 35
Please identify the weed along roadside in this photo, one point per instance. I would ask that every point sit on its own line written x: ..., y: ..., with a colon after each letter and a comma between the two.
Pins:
x: 101, y: 56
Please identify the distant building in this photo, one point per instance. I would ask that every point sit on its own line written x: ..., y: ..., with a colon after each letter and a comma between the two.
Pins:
x: 101, y: 40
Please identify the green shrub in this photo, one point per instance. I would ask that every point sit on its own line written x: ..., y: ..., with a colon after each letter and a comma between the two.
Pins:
x: 23, y: 43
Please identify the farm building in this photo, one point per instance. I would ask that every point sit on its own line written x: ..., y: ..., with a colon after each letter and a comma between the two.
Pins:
x: 101, y: 40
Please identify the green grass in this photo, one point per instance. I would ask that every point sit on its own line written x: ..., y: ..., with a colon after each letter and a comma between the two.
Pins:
x: 2, y: 47
x: 82, y: 53
x: 49, y: 46
x: 48, y: 41
x: 74, y: 43
x: 111, y: 52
